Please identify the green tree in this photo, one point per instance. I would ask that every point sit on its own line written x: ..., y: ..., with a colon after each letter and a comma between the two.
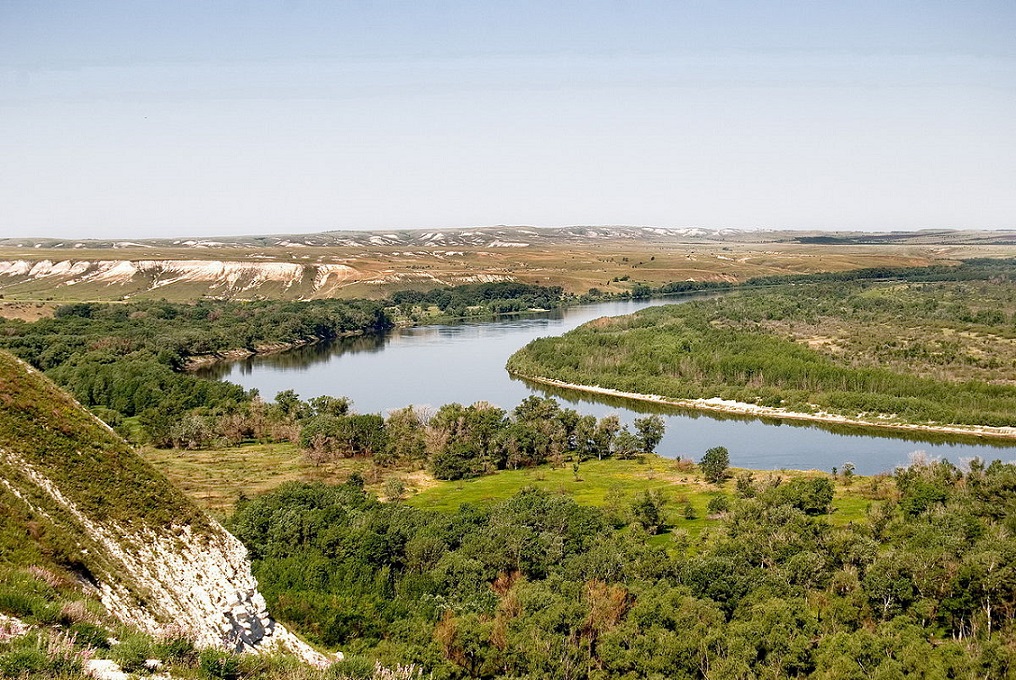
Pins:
x: 714, y: 464
x: 406, y: 436
x: 648, y: 510
x: 650, y: 432
x: 626, y: 444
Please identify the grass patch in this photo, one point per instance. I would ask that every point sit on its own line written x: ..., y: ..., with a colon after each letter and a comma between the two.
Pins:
x: 613, y: 484
x: 215, y: 478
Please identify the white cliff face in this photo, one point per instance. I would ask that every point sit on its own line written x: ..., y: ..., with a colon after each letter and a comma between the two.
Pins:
x: 156, y: 561
x: 227, y: 275
x: 173, y: 579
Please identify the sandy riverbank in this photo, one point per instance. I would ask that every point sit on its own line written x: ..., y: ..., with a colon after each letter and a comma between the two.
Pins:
x: 740, y: 408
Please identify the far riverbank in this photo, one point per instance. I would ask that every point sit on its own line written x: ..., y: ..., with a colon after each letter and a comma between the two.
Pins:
x: 718, y: 405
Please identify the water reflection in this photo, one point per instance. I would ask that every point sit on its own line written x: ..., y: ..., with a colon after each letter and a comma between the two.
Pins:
x: 464, y: 362
x: 575, y: 397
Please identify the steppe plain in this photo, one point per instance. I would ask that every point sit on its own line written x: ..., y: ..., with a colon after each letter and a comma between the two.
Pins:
x: 38, y: 274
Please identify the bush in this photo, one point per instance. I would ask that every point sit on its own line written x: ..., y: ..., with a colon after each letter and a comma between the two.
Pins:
x: 40, y: 655
x: 28, y: 605
x: 811, y: 496
x: 175, y: 648
x: 718, y: 505
x: 132, y: 652
x: 22, y: 660
x: 647, y: 511
x: 353, y: 668
x: 90, y: 635
x: 216, y: 664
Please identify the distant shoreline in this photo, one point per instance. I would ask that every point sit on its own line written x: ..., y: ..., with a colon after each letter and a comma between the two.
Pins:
x: 718, y: 405
x: 199, y: 361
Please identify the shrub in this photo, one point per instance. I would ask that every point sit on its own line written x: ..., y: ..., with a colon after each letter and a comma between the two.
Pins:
x: 22, y: 660
x: 90, y: 635
x: 28, y: 605
x: 175, y: 648
x: 216, y: 664
x: 40, y: 655
x: 353, y: 668
x: 132, y: 652
x: 718, y: 505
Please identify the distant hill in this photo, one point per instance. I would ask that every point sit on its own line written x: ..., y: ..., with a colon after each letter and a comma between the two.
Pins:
x: 374, y: 264
x: 76, y: 500
x: 475, y: 237
x: 526, y: 236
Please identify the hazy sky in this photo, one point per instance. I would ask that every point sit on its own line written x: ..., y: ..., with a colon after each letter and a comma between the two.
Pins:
x: 134, y: 118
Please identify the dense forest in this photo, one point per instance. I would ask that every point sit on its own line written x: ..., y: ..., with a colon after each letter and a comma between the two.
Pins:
x: 126, y: 360
x: 537, y: 586
x: 480, y: 299
x: 929, y: 352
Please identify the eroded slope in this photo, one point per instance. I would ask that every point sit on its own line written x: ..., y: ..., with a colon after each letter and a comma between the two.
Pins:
x: 95, y: 508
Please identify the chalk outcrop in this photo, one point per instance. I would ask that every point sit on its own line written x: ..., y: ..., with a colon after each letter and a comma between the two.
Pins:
x: 154, y: 559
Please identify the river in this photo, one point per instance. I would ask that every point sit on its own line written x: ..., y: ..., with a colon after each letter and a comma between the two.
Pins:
x: 464, y: 362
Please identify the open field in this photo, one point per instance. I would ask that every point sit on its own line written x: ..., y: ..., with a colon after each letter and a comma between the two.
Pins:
x: 611, y: 260
x: 216, y: 478
x: 613, y: 484
x: 26, y: 311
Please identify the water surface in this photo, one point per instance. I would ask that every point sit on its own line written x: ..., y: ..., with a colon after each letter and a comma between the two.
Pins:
x: 464, y: 362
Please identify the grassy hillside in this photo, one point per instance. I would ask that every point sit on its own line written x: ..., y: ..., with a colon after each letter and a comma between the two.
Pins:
x: 49, y: 566
x: 96, y: 545
x: 48, y: 440
x: 43, y: 428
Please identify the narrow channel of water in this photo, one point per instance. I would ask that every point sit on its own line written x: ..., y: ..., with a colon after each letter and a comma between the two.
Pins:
x: 464, y: 362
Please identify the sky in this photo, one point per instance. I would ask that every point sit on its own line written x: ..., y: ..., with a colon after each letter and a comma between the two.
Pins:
x: 136, y: 119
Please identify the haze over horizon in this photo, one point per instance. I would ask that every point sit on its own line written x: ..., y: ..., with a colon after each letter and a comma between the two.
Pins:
x: 156, y: 120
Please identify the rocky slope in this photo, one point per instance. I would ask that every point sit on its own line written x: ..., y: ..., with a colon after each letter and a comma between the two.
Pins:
x: 98, y: 510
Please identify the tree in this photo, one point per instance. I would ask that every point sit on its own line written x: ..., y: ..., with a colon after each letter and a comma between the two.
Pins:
x: 326, y: 405
x: 714, y: 464
x: 353, y: 435
x: 406, y: 436
x: 288, y: 402
x: 650, y: 431
x: 626, y: 445
x: 811, y: 496
x: 647, y: 510
x: 604, y: 434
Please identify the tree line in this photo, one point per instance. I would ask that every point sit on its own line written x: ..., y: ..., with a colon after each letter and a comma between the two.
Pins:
x: 128, y: 361
x: 452, y: 442
x: 922, y: 352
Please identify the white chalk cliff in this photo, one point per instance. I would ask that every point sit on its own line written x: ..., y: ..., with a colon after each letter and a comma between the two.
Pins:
x: 187, y: 574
